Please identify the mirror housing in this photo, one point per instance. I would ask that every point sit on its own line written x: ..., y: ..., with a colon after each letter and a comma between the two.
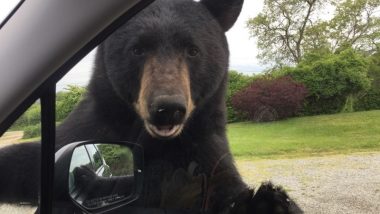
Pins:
x: 63, y: 160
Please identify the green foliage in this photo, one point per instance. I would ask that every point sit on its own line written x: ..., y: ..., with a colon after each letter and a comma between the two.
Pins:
x: 349, y: 104
x: 374, y: 71
x: 330, y: 79
x: 355, y: 24
x: 66, y: 101
x: 119, y: 158
x: 371, y: 99
x: 286, y: 30
x: 29, y: 122
x: 29, y: 118
x: 337, y: 74
x: 236, y: 82
x: 280, y: 42
x: 32, y: 131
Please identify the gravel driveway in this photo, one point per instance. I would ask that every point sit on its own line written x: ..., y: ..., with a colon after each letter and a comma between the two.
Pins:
x: 348, y: 184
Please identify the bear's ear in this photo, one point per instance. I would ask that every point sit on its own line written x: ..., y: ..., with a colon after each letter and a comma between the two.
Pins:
x: 225, y: 11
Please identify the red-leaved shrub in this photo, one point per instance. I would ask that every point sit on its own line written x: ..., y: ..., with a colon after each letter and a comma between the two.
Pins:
x: 270, y: 99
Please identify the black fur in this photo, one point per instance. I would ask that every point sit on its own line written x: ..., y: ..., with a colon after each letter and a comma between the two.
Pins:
x: 165, y: 28
x: 20, y: 172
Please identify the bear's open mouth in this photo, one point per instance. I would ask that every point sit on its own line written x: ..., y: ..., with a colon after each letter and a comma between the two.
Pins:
x: 165, y: 131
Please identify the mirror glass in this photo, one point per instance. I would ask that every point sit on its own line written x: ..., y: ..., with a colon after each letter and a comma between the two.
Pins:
x: 101, y: 175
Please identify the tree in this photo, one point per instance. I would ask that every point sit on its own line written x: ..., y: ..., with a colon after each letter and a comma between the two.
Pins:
x: 66, y: 101
x: 356, y: 24
x: 287, y: 29
x: 280, y: 29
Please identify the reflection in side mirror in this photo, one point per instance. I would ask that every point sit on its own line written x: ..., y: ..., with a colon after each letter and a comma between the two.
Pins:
x: 101, y: 175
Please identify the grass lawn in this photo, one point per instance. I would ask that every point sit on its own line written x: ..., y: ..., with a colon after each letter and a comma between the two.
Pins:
x: 34, y: 139
x: 305, y: 136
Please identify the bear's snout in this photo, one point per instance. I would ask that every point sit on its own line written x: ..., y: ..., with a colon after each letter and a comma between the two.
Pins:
x: 167, y: 110
x: 165, y: 102
x: 167, y: 115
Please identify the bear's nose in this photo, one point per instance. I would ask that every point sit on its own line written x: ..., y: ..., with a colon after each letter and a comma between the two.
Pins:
x: 167, y: 110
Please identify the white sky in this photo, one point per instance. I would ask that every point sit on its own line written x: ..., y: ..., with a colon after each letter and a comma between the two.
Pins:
x: 242, y: 49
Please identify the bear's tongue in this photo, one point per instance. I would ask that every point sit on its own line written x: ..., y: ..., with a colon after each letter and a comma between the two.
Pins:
x: 165, y: 128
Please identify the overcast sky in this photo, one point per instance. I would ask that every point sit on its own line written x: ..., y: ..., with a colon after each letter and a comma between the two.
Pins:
x: 242, y: 47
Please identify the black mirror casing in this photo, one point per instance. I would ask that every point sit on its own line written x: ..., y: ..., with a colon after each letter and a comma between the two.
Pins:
x: 62, y: 200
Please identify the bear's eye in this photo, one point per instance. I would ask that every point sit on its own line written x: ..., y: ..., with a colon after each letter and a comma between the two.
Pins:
x: 192, y: 51
x: 138, y: 51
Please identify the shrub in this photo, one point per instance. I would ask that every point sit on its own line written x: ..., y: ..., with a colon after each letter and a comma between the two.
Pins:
x: 315, y: 105
x: 330, y: 79
x: 29, y: 118
x: 119, y: 158
x: 32, y: 131
x: 369, y: 101
x: 271, y: 99
x: 236, y: 82
x: 66, y: 101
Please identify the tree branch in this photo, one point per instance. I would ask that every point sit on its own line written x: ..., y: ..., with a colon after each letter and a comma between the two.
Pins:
x: 311, y: 3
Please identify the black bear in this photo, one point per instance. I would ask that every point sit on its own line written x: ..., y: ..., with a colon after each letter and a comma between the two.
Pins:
x: 160, y: 80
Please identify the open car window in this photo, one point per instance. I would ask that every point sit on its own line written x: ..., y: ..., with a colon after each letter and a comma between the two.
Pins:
x: 110, y: 16
x: 309, y: 124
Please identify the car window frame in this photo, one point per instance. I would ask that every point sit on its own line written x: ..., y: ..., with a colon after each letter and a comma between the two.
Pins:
x: 46, y: 92
x: 90, y: 147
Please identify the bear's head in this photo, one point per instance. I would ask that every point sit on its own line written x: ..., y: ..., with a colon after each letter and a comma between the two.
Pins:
x: 170, y: 59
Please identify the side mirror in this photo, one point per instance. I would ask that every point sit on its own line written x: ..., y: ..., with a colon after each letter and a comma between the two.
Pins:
x: 98, y: 176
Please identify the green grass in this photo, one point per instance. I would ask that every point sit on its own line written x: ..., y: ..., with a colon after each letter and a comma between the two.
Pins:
x: 305, y: 136
x: 28, y: 140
